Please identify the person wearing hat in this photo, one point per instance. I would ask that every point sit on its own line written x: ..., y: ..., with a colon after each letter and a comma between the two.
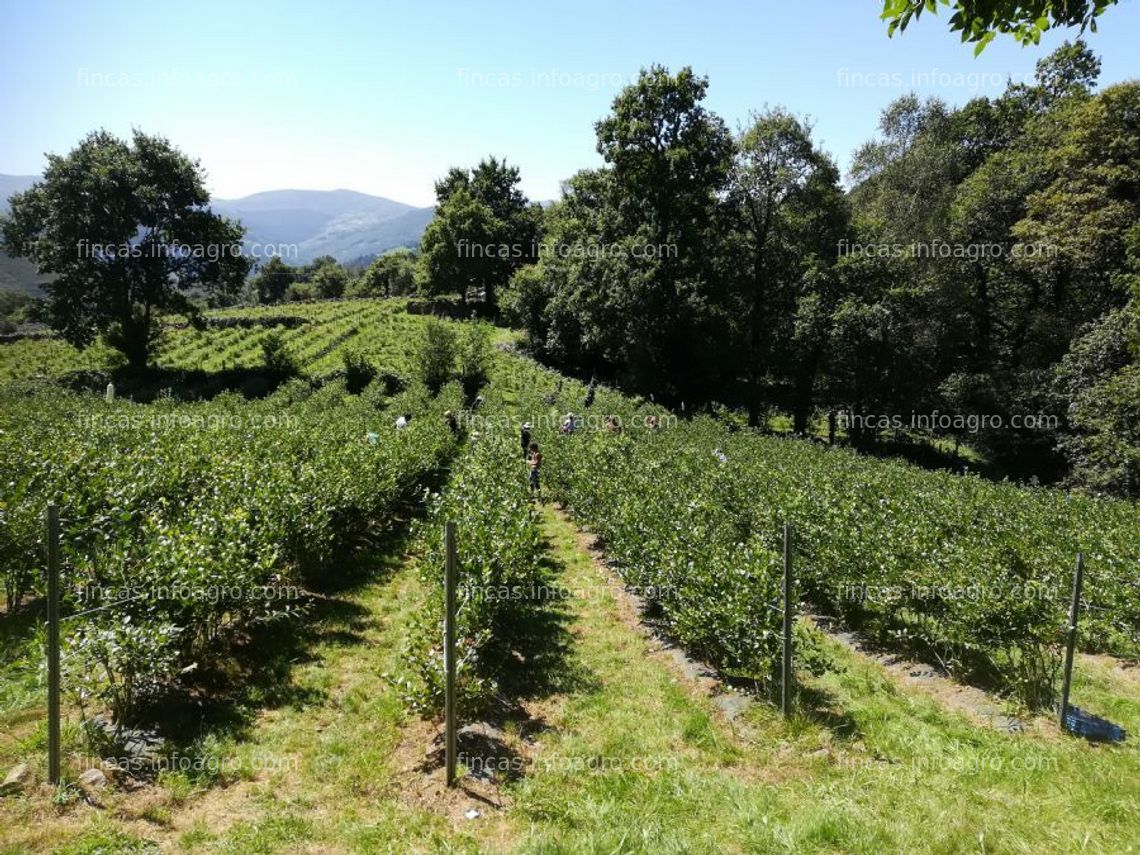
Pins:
x: 524, y: 438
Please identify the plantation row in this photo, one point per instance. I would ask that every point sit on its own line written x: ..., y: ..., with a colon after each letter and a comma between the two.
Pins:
x: 969, y: 573
x: 498, y: 553
x: 959, y: 570
x: 376, y: 328
x: 184, y: 523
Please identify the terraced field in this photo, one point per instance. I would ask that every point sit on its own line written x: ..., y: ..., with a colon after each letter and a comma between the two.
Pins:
x: 313, y: 491
x: 377, y: 328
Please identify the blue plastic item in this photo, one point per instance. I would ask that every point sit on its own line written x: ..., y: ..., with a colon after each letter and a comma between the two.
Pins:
x: 1085, y: 724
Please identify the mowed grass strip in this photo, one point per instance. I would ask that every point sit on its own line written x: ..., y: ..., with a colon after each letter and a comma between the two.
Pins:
x: 644, y: 761
x: 631, y: 756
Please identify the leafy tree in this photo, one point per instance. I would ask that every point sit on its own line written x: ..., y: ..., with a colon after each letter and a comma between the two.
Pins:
x: 358, y: 371
x: 493, y: 182
x: 1072, y: 69
x: 491, y: 225
x: 980, y: 21
x: 389, y: 275
x: 330, y: 280
x: 301, y: 291
x: 461, y: 248
x: 126, y: 231
x: 791, y: 216
x: 669, y: 159
x: 630, y: 283
x: 310, y: 269
x: 474, y: 358
x: 275, y: 356
x: 525, y: 302
x: 273, y: 280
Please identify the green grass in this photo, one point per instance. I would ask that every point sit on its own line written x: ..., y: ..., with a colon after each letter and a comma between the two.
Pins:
x: 864, y: 766
x: 630, y: 758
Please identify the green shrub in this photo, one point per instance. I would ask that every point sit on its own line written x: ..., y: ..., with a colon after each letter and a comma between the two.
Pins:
x: 474, y: 358
x: 435, y: 354
x: 301, y: 291
x: 499, y: 548
x: 358, y: 371
x: 275, y: 356
x: 212, y: 528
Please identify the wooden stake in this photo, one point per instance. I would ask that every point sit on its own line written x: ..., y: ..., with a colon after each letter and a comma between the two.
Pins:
x: 786, y: 682
x: 1071, y: 641
x: 52, y: 520
x: 449, y: 650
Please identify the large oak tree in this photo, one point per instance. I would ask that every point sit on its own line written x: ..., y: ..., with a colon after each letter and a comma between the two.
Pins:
x: 126, y: 231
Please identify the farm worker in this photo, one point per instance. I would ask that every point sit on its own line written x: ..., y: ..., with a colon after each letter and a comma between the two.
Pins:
x: 590, y: 394
x: 720, y: 455
x: 535, y: 462
x: 651, y: 422
x: 452, y: 422
x: 372, y: 437
x: 524, y: 437
x: 568, y: 424
x: 402, y: 422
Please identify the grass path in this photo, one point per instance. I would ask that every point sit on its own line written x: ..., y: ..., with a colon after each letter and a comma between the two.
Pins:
x: 620, y: 751
x: 866, y: 766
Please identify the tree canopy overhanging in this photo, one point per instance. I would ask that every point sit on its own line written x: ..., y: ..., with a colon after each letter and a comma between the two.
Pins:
x: 980, y: 21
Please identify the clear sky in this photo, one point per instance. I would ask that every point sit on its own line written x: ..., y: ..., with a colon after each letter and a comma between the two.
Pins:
x: 382, y: 97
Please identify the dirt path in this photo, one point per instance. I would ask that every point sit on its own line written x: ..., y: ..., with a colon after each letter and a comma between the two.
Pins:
x: 979, y: 706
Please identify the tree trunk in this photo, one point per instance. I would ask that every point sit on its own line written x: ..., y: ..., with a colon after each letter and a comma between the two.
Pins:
x: 755, y: 319
x: 800, y: 418
x: 805, y: 387
x: 135, y: 343
x: 489, y: 298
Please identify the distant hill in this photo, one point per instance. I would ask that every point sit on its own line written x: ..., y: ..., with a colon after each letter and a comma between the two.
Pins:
x: 10, y: 184
x: 17, y: 274
x: 342, y: 223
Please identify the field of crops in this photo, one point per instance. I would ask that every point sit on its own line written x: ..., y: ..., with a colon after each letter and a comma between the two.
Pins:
x: 254, y: 494
x: 967, y: 573
x: 184, y: 523
x: 314, y: 336
x: 498, y: 571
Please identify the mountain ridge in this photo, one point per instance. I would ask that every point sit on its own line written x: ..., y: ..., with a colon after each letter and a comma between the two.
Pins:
x: 298, y: 224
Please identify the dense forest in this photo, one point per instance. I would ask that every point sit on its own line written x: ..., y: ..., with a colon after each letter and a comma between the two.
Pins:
x: 978, y: 268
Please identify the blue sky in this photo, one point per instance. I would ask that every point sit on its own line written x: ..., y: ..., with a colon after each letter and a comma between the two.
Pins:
x: 383, y: 96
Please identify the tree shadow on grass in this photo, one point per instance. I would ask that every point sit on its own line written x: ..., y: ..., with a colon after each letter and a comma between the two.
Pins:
x: 256, y: 671
x: 532, y: 659
x: 823, y: 708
